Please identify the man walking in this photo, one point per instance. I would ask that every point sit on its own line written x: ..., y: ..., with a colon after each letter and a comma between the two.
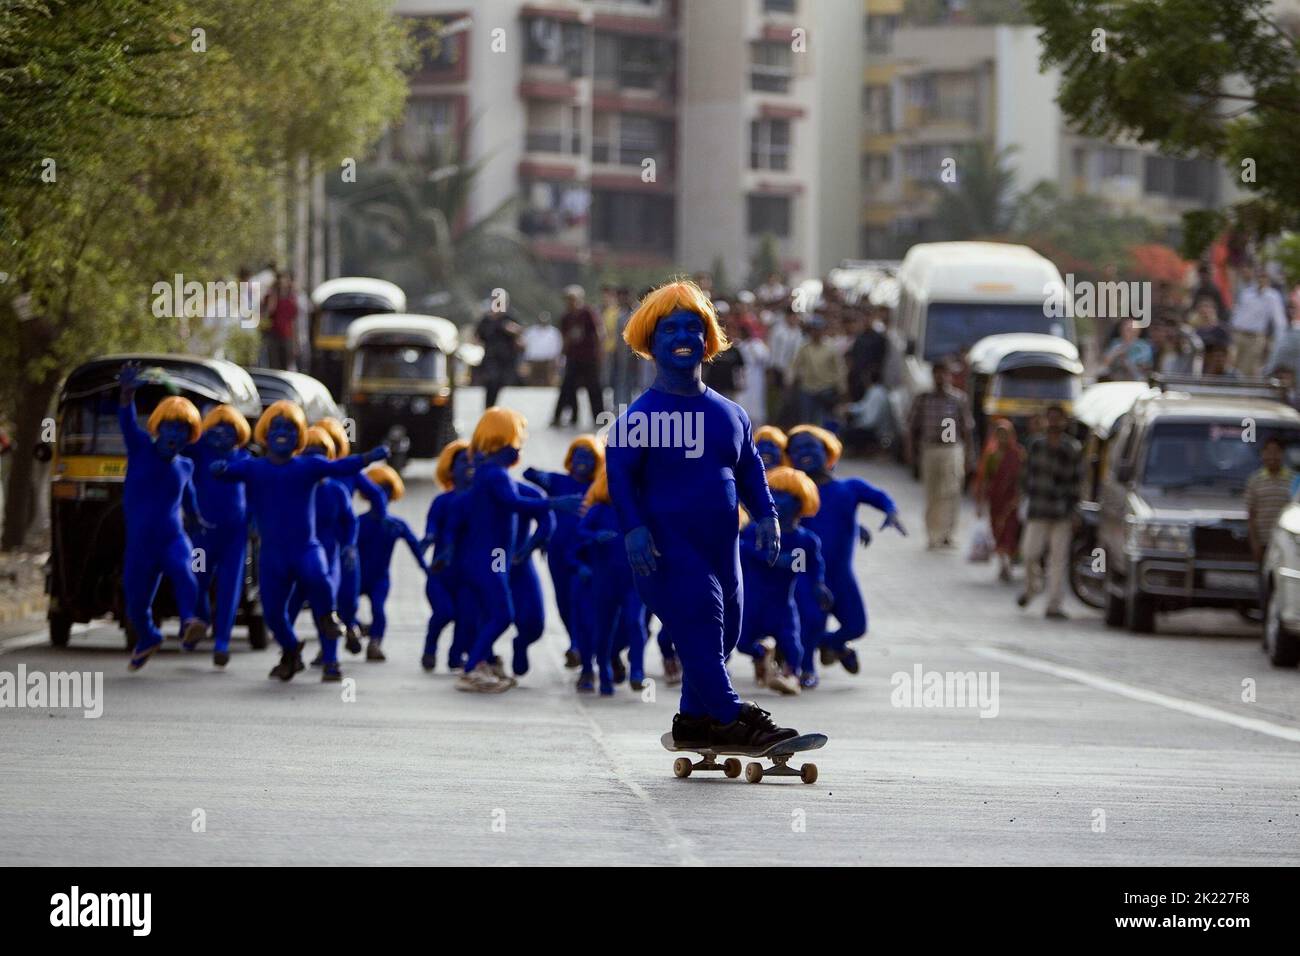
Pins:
x: 498, y: 333
x: 1268, y: 491
x: 1258, y: 313
x: 582, y: 354
x: 1050, y: 484
x: 939, y: 430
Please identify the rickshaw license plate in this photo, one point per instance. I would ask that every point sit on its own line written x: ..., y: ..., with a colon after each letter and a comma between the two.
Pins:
x: 1231, y: 581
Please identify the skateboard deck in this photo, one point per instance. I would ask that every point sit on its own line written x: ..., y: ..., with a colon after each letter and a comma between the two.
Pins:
x: 779, y: 753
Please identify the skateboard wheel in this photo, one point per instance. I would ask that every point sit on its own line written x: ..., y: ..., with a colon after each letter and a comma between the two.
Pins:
x: 754, y: 772
x: 682, y: 767
x: 731, y: 767
x: 808, y: 773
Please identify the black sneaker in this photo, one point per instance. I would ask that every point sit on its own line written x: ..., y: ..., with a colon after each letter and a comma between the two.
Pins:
x: 353, y: 642
x: 290, y: 664
x: 220, y: 658
x: 691, y: 731
x: 571, y: 659
x: 619, y: 668
x: 332, y: 673
x: 374, y: 652
x: 752, y: 728
x: 827, y: 655
x: 329, y: 626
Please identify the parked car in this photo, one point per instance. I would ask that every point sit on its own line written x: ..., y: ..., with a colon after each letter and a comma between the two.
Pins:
x: 1172, y: 521
x: 1281, y: 583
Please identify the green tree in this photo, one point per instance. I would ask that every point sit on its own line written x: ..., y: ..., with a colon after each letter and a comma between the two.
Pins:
x: 979, y: 203
x: 165, y: 130
x: 1212, y: 78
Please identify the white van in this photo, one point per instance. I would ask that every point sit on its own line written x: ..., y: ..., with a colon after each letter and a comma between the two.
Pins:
x: 952, y: 294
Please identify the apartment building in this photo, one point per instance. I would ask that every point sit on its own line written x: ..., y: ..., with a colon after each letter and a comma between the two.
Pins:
x: 642, y: 132
x: 929, y: 91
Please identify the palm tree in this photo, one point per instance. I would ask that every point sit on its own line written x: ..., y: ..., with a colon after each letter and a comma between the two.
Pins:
x: 979, y: 203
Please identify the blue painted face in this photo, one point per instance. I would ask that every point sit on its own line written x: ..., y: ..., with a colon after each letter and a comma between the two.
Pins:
x: 582, y: 466
x: 770, y: 452
x: 221, y: 437
x: 282, y: 436
x: 172, y: 437
x: 678, y: 340
x: 807, y: 453
x: 787, y: 508
x: 462, y: 470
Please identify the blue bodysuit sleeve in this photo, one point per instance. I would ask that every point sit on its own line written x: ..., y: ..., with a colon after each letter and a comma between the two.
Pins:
x: 751, y: 478
x: 623, y: 468
x: 237, y: 469
x: 338, y: 468
x: 545, y: 523
x: 502, y: 489
x: 816, y: 563
x: 136, y: 438
x: 411, y: 540
x: 868, y: 494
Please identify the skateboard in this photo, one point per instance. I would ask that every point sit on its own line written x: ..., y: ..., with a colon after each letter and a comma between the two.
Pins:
x: 779, y: 753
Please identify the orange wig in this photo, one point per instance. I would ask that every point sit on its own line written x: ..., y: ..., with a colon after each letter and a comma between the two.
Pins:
x: 175, y: 408
x: 832, y: 444
x: 598, y: 493
x: 589, y: 442
x: 338, y: 434
x: 794, y: 482
x: 229, y: 415
x: 282, y: 409
x: 319, y: 436
x: 498, y: 428
x: 442, y: 472
x: 389, y: 480
x: 665, y: 300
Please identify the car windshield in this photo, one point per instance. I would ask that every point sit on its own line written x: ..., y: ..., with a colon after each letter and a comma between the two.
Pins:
x: 402, y: 362
x: 951, y: 327
x: 90, y: 425
x: 1043, y: 383
x: 1219, y: 455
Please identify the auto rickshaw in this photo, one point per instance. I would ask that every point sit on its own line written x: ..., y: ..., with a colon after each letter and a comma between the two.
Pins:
x: 273, y: 385
x: 401, y: 383
x: 1019, y: 375
x: 1095, y: 413
x: 335, y: 304
x: 87, y: 529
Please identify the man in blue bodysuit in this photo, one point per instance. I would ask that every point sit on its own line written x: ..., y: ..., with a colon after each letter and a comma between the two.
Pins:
x: 679, y: 460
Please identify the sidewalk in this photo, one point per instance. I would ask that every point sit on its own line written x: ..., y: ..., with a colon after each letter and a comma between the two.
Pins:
x: 22, y: 586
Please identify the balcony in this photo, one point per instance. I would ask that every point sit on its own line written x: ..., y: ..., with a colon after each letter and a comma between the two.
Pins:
x: 566, y: 142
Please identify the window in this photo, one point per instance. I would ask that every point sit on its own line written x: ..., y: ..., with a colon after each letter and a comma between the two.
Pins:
x: 769, y: 144
x: 768, y: 214
x: 552, y: 43
x: 778, y: 6
x: 633, y: 62
x: 634, y: 221
x: 772, y: 67
x: 426, y: 122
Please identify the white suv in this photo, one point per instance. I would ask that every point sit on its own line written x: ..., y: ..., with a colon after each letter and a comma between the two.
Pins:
x: 1282, y: 590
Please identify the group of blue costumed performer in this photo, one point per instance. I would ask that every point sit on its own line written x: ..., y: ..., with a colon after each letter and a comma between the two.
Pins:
x: 675, y: 515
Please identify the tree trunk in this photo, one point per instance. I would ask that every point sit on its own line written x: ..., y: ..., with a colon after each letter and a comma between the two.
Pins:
x: 34, y: 339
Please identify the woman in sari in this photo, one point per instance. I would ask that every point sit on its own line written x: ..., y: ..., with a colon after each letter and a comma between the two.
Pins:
x: 997, y: 491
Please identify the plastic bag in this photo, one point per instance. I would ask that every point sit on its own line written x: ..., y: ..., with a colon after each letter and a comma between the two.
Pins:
x: 982, y: 544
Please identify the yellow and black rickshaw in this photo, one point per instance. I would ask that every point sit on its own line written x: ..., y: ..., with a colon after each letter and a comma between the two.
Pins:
x: 88, y: 466
x: 1019, y: 375
x: 335, y: 304
x: 401, y: 383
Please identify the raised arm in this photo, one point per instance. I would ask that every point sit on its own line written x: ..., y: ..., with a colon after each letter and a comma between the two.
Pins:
x: 542, y: 479
x: 502, y: 490
x: 373, y: 494
x: 136, y: 438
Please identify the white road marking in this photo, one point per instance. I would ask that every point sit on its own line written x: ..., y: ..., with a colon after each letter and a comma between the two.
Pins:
x: 1140, y: 693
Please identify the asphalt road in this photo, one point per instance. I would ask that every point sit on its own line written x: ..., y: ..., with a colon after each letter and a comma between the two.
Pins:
x: 1105, y: 747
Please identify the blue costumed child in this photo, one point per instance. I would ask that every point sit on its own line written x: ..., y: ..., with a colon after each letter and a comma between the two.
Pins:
x: 158, y: 481
x: 679, y: 460
x: 225, y: 543
x: 770, y: 442
x: 617, y: 613
x: 490, y: 535
x: 770, y: 609
x: 815, y: 451
x: 525, y: 585
x: 349, y: 588
x: 376, y: 538
x: 281, y: 491
x: 586, y: 455
x: 444, y: 531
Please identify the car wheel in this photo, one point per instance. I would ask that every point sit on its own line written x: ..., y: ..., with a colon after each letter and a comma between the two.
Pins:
x: 1281, y: 645
x: 1140, y: 614
x: 1088, y: 586
x: 1114, y: 608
